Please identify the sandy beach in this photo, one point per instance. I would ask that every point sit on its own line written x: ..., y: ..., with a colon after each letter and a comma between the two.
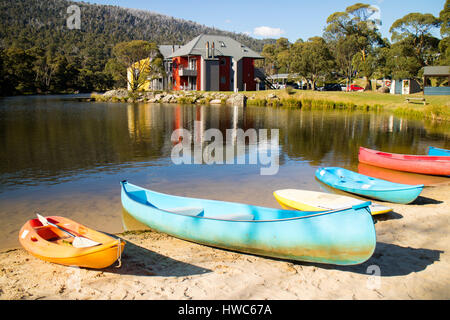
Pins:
x: 412, y: 256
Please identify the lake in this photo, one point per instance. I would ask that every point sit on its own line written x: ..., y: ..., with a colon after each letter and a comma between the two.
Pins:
x: 62, y: 156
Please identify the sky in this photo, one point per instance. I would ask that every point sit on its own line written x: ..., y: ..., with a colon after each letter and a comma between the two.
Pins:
x: 293, y: 19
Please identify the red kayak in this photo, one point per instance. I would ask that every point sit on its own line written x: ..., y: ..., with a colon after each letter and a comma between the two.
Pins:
x: 403, y: 162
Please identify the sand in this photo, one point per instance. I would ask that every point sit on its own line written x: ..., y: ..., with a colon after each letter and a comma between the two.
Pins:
x: 412, y: 256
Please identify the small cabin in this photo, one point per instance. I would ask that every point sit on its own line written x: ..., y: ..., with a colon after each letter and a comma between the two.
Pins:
x: 436, y: 81
x: 405, y: 86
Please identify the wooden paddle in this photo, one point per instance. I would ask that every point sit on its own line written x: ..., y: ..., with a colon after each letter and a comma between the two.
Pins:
x: 78, y: 242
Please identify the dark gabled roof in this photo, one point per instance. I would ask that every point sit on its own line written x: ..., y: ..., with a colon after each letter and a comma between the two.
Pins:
x: 167, y: 50
x: 437, y: 71
x: 223, y: 46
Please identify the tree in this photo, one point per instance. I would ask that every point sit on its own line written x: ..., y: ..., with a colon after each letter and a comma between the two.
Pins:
x: 277, y: 57
x: 444, y: 16
x: 3, y: 87
x: 355, y: 21
x: 414, y: 30
x: 344, y: 52
x: 444, y: 44
x: 354, y: 36
x: 398, y: 62
x: 17, y: 71
x: 312, y: 59
x: 135, y: 62
x: 365, y: 67
x: 269, y: 59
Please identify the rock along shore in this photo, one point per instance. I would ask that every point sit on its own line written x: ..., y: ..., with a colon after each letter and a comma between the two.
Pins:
x: 184, y: 97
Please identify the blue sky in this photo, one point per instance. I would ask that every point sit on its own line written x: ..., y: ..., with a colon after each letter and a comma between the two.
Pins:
x: 292, y: 19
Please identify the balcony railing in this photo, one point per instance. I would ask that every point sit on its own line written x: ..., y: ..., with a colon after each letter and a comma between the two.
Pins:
x: 186, y: 72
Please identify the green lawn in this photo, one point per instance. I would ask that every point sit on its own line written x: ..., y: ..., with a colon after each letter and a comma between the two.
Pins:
x: 438, y: 107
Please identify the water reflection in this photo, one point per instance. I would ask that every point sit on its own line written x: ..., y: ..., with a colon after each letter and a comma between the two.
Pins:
x: 400, y: 176
x: 50, y: 141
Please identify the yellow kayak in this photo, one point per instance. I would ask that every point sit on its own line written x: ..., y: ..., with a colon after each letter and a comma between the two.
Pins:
x: 304, y: 200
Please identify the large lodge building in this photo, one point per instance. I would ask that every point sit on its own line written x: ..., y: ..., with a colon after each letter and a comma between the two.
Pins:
x: 208, y: 63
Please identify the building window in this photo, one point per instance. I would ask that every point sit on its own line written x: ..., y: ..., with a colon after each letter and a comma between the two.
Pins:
x: 223, y: 62
x: 223, y: 80
x: 193, y: 64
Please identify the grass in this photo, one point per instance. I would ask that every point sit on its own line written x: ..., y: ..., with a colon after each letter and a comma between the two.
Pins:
x: 438, y: 107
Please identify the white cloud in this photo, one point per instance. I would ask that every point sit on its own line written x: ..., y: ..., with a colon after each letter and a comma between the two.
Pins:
x: 268, y: 32
x: 228, y: 21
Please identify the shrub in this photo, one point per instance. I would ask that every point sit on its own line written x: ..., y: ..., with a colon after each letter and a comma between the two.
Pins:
x: 289, y: 90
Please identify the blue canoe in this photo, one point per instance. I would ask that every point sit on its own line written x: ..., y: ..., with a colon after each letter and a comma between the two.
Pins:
x: 342, y: 237
x: 356, y: 183
x: 432, y: 151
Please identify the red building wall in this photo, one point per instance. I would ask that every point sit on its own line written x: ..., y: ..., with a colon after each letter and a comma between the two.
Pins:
x: 179, y: 62
x: 248, y: 74
x: 199, y: 72
x: 224, y: 73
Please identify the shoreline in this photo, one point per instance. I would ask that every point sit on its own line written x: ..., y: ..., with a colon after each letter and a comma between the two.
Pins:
x: 437, y: 108
x: 412, y: 254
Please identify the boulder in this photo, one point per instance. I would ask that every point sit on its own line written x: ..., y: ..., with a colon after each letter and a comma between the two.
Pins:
x: 117, y: 93
x: 237, y: 99
x: 168, y: 98
x: 384, y: 90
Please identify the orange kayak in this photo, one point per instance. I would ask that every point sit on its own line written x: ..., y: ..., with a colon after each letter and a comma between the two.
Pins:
x: 51, y: 244
x: 433, y: 165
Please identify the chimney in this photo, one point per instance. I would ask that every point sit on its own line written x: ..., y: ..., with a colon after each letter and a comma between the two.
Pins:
x: 207, y: 49
x: 173, y: 48
x: 213, y: 50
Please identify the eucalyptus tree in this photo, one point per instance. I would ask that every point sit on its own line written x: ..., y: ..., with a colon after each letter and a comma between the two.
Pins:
x: 141, y: 58
x: 312, y: 59
x: 444, y: 44
x: 414, y: 31
x: 354, y: 35
x: 444, y: 16
x: 277, y: 57
x: 268, y: 53
x: 398, y: 62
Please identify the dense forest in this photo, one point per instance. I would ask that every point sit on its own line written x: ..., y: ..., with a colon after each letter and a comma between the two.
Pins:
x: 39, y: 53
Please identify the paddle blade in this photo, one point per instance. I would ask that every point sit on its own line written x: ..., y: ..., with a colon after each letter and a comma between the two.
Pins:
x: 79, y: 242
x: 42, y: 219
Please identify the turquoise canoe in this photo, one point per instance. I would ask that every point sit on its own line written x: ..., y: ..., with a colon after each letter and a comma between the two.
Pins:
x: 342, y: 237
x: 356, y: 183
x: 432, y: 151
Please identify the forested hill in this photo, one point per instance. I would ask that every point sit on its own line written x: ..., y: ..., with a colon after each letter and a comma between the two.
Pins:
x: 28, y: 22
x: 41, y: 26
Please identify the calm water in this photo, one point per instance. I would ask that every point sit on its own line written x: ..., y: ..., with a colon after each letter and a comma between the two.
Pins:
x: 60, y: 156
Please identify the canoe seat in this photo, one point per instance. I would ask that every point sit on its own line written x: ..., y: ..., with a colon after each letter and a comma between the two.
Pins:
x: 187, y: 211
x: 236, y: 216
